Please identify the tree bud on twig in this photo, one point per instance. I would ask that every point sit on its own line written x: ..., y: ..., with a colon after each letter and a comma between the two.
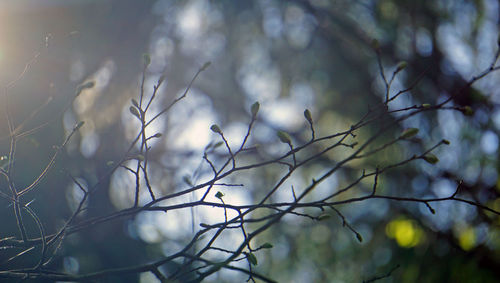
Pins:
x: 401, y: 66
x: 79, y: 125
x: 215, y: 129
x: 187, y: 180
x: 284, y: 137
x: 84, y: 86
x: 267, y: 246
x: 146, y: 59
x: 135, y: 112
x: 467, y: 110
x: 161, y: 79
x: 252, y: 258
x: 408, y: 133
x: 431, y: 158
x: 219, y: 195
x: 205, y: 66
x: 323, y: 217
x: 255, y: 109
x: 360, y: 238
x: 308, y: 116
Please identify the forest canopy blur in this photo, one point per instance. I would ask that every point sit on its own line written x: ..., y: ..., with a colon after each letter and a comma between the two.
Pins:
x: 295, y: 141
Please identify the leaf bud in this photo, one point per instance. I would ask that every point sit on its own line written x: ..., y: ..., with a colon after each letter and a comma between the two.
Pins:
x: 135, y: 103
x: 308, y: 116
x: 161, y: 79
x: 219, y: 195
x: 252, y: 258
x: 359, y: 237
x: 323, y: 217
x: 146, y: 58
x: 135, y: 112
x: 204, y: 225
x: 187, y: 180
x: 79, y: 125
x: 81, y: 87
x: 255, y: 109
x: 401, y: 66
x: 284, y: 137
x: 218, y: 145
x: 215, y: 129
x: 431, y: 209
x: 205, y: 66
x: 467, y: 110
x: 267, y: 246
x: 431, y: 158
x: 408, y: 133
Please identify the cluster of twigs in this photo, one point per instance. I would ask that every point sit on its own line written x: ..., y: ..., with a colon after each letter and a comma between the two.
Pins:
x: 251, y: 220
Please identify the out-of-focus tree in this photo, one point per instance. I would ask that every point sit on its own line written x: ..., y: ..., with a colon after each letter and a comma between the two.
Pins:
x: 404, y: 64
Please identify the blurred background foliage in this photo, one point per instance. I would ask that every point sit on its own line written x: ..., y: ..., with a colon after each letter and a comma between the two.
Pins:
x: 288, y: 55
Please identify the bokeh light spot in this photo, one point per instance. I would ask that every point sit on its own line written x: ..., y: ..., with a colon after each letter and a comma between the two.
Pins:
x: 467, y: 238
x: 489, y: 142
x: 406, y: 232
